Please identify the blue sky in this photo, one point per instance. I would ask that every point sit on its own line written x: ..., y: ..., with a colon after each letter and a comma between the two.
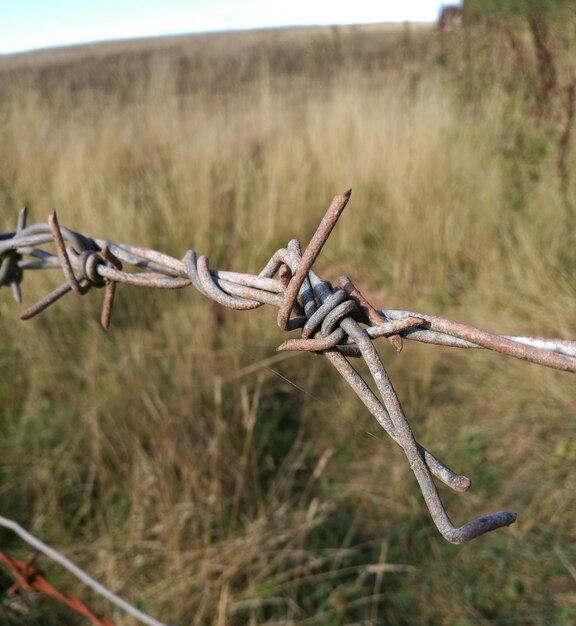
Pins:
x: 31, y: 24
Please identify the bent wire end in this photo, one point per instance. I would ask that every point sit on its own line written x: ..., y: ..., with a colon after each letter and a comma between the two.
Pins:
x: 477, y: 527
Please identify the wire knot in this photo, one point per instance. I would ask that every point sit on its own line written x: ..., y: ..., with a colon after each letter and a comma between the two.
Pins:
x: 88, y: 267
x: 321, y: 330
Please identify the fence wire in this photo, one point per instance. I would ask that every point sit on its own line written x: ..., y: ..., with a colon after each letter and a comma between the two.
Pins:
x: 28, y: 577
x: 335, y: 321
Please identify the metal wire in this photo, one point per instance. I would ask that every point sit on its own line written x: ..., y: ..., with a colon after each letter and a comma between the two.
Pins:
x: 337, y: 322
x: 29, y: 577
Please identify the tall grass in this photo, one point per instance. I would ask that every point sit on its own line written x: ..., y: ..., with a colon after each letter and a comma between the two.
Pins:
x: 176, y: 457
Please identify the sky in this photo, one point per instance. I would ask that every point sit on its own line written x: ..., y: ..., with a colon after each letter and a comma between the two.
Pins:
x: 33, y: 24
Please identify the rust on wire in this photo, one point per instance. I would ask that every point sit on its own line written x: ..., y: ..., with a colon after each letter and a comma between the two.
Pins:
x: 374, y: 317
x: 337, y: 322
x: 318, y: 240
x: 28, y: 577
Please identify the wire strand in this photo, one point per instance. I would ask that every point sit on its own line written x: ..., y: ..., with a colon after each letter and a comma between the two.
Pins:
x: 67, y: 564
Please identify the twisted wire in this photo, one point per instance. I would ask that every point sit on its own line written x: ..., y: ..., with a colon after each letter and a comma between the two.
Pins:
x: 337, y: 322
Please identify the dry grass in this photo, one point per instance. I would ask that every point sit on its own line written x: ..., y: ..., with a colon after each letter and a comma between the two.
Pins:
x: 278, y: 500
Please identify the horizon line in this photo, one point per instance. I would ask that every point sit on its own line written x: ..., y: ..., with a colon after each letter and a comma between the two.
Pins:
x: 128, y: 38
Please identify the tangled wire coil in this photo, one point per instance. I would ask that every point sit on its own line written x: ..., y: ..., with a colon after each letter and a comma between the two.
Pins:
x: 337, y: 322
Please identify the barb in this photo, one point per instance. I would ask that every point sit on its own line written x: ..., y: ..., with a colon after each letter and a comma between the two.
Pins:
x: 28, y: 577
x: 338, y: 323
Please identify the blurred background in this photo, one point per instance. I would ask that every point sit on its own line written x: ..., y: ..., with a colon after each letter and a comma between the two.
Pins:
x: 177, y: 457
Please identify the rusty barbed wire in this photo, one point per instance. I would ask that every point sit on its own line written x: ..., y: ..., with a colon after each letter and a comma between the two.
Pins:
x: 28, y: 577
x: 337, y: 322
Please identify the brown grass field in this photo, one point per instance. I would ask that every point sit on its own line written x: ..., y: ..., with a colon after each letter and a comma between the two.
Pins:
x: 281, y: 501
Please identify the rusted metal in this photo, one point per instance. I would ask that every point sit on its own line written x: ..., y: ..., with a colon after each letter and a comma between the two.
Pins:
x: 45, y: 302
x: 374, y: 317
x: 395, y: 423
x: 555, y: 353
x: 28, y: 577
x: 63, y: 254
x: 318, y: 240
x: 392, y: 327
x: 110, y: 289
x: 338, y: 323
x: 317, y: 344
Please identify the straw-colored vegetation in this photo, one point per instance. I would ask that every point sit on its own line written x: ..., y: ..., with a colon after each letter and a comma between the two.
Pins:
x: 175, y: 457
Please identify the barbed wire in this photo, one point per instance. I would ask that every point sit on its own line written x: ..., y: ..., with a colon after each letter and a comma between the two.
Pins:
x: 27, y: 576
x: 337, y: 322
x: 30, y: 578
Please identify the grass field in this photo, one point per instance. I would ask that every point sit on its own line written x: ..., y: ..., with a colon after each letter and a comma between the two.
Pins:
x: 279, y: 500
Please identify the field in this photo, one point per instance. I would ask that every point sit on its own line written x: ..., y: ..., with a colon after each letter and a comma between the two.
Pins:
x: 177, y: 457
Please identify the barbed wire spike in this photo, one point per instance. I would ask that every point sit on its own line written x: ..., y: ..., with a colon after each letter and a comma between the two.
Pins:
x: 28, y: 577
